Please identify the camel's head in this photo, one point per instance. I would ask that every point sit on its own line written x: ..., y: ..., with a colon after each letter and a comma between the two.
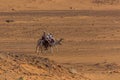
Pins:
x: 59, y: 42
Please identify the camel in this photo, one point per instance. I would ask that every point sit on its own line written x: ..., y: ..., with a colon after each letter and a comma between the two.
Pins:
x: 45, y: 45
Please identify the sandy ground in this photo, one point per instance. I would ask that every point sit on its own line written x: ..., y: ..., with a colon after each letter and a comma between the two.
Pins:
x: 90, y: 29
x: 91, y: 39
x: 18, y: 5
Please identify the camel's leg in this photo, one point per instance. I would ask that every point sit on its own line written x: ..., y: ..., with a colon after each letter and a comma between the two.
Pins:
x: 56, y: 49
x: 36, y: 49
x: 41, y: 49
x: 51, y: 49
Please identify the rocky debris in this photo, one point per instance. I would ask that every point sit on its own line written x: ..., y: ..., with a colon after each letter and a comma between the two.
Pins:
x: 110, y: 2
x: 73, y: 71
x: 102, y: 67
x: 21, y: 78
x: 30, y: 67
x: 107, y: 66
x: 114, y: 71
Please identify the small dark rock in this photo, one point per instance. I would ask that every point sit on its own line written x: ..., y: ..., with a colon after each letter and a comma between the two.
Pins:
x: 8, y: 21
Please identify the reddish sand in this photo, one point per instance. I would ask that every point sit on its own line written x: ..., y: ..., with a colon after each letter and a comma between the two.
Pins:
x: 90, y: 49
x: 16, y: 5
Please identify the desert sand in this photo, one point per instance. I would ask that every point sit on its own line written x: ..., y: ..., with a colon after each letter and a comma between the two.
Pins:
x: 90, y: 49
x: 18, y: 5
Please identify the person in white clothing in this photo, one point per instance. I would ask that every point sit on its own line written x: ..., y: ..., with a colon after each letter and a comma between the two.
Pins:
x: 50, y: 37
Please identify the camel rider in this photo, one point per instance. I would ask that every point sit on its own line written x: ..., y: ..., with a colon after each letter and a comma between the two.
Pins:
x: 50, y: 38
x: 44, y: 36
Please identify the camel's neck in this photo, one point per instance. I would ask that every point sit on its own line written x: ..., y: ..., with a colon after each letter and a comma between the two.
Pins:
x: 58, y: 42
